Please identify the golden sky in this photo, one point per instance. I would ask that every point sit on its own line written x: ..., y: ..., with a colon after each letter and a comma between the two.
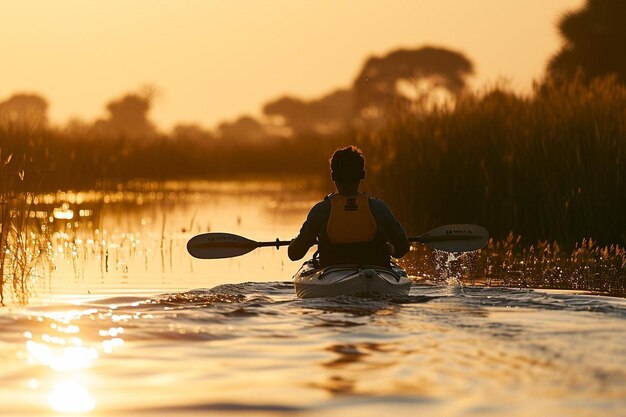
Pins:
x: 214, y: 60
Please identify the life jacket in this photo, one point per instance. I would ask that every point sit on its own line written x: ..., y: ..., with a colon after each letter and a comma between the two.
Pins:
x: 352, y: 235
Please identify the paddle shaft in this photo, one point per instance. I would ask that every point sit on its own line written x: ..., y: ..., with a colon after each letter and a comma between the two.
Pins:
x: 278, y: 243
x: 413, y: 239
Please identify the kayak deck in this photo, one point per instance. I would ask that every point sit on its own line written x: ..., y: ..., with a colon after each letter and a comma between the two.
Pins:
x: 368, y: 280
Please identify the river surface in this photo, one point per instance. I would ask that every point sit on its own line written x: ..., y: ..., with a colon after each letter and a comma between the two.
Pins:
x: 120, y: 321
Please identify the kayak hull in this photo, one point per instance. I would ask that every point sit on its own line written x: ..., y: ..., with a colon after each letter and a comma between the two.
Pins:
x: 360, y: 280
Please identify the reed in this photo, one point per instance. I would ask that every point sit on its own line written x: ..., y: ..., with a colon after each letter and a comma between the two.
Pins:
x: 548, y: 166
x: 22, y: 238
x: 587, y: 267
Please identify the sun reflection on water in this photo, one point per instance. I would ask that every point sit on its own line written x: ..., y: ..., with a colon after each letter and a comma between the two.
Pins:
x: 67, y: 358
x: 64, y: 359
x: 71, y: 396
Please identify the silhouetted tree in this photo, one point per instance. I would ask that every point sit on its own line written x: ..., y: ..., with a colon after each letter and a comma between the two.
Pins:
x: 385, y: 80
x: 595, y: 42
x: 128, y: 117
x: 24, y: 111
x: 325, y: 115
x: 244, y: 129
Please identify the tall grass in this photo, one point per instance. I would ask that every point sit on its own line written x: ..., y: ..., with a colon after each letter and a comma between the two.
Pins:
x: 548, y: 166
x: 22, y: 238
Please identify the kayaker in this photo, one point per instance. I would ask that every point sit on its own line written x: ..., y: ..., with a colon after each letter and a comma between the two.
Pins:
x: 348, y: 226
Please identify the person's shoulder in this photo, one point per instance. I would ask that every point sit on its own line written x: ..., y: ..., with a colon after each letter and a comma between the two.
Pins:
x: 322, y: 205
x: 326, y: 200
x: 379, y: 206
x: 375, y: 201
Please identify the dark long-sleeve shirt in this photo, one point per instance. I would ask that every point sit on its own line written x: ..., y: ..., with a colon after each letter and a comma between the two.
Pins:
x: 318, y: 218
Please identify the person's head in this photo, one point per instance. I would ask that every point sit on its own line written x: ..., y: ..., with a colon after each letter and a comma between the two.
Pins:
x: 347, y: 166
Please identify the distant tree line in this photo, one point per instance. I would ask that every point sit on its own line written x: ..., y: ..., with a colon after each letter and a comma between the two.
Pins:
x: 294, y: 135
x: 406, y: 75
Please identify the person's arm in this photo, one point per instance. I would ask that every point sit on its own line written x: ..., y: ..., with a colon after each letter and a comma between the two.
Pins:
x: 298, y: 248
x: 395, y: 233
x: 308, y: 233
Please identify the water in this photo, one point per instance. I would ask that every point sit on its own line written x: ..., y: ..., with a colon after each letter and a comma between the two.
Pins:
x: 119, y: 336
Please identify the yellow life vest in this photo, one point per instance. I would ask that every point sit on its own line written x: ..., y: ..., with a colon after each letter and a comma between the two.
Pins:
x: 351, y: 220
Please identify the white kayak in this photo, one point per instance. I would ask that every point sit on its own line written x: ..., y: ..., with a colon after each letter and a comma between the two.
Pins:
x: 367, y: 280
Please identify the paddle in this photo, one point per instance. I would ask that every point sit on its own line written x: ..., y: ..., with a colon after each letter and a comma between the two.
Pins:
x: 454, y: 238
x: 449, y: 238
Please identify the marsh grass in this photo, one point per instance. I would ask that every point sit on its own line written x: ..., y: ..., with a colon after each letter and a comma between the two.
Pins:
x: 588, y: 267
x: 547, y: 166
x: 23, y: 238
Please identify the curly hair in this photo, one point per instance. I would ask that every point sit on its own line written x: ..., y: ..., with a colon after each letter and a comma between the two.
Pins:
x: 347, y: 164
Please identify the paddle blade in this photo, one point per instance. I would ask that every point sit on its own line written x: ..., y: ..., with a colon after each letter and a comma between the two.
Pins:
x: 219, y: 245
x: 455, y: 238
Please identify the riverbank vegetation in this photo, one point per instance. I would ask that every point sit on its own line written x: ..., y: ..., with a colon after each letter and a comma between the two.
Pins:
x: 23, y: 237
x: 56, y: 161
x: 548, y: 166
